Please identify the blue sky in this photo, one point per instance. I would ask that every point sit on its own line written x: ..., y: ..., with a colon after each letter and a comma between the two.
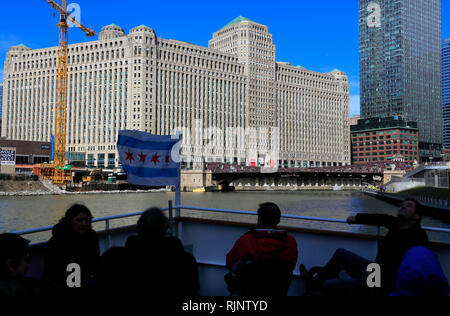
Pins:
x: 318, y: 35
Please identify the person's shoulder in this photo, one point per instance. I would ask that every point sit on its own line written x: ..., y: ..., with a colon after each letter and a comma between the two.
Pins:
x: 132, y: 241
x: 290, y: 238
x: 93, y: 234
x: 174, y: 243
x: 250, y: 235
x: 60, y: 230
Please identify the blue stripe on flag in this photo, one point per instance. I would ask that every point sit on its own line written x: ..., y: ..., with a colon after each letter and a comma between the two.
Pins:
x: 151, y: 172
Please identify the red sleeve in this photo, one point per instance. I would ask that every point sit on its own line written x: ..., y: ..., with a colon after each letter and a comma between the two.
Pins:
x: 241, y: 249
x: 290, y: 252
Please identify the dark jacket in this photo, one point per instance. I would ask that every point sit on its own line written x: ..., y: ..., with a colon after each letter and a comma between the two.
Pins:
x: 21, y: 286
x: 162, y: 268
x: 67, y: 246
x: 396, y: 243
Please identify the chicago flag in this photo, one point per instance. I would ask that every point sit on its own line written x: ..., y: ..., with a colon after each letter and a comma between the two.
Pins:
x: 148, y: 159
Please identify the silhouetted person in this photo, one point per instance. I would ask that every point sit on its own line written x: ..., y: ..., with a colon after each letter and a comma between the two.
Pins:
x: 420, y: 274
x: 73, y: 241
x: 159, y: 264
x: 404, y: 233
x: 14, y: 263
x: 114, y: 273
x: 262, y: 260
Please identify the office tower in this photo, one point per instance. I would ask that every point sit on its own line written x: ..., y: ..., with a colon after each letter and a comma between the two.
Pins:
x: 446, y: 91
x: 400, y: 65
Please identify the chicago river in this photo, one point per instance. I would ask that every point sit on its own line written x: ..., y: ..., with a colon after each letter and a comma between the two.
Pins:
x: 26, y: 212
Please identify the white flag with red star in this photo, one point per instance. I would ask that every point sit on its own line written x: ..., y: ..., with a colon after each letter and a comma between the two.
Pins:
x: 149, y: 160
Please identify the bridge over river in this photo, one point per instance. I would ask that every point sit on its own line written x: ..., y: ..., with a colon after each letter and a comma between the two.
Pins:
x: 337, y: 177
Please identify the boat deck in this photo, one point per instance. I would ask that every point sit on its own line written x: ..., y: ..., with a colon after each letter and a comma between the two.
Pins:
x: 210, y: 240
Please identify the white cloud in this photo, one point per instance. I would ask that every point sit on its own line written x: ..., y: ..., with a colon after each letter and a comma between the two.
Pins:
x: 355, y: 105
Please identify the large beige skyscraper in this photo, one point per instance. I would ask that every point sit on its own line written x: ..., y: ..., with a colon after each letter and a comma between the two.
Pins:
x: 233, y: 102
x: 252, y: 43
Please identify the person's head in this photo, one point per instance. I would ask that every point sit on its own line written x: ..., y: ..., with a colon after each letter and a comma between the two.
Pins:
x: 269, y: 215
x: 410, y: 210
x: 14, y: 257
x: 153, y: 224
x: 420, y: 274
x: 79, y: 218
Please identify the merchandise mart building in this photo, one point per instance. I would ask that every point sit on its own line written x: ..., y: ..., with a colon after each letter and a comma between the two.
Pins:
x: 400, y: 66
x: 232, y: 101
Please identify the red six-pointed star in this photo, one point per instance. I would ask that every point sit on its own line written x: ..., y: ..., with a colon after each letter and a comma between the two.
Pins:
x: 155, y: 159
x: 129, y: 156
x: 142, y: 157
x: 167, y: 159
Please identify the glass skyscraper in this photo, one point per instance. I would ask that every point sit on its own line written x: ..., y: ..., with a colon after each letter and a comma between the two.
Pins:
x: 400, y: 65
x: 446, y: 90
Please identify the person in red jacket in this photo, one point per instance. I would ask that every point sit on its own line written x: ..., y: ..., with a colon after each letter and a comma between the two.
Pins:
x: 262, y: 260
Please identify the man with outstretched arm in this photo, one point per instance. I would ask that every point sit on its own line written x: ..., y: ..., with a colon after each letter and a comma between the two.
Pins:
x: 404, y: 233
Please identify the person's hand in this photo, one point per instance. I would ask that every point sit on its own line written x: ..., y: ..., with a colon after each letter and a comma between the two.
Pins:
x: 351, y: 220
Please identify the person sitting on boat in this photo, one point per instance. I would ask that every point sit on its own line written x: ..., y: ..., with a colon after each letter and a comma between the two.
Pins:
x: 404, y: 233
x: 420, y: 274
x: 262, y: 260
x: 73, y: 241
x: 160, y: 265
x: 14, y: 264
x: 114, y: 273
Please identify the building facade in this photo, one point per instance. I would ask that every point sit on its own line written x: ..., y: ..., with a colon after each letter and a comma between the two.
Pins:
x: 313, y: 111
x: 1, y: 103
x: 400, y: 65
x: 29, y: 152
x: 446, y: 91
x: 1, y: 99
x: 354, y: 120
x: 385, y: 139
x: 226, y: 99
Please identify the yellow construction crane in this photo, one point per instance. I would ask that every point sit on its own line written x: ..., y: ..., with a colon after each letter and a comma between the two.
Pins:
x: 59, y: 160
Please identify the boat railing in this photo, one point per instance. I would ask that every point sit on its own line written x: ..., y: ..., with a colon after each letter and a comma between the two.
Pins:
x: 107, y: 219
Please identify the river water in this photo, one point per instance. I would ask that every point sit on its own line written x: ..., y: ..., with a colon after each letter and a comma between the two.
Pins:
x: 19, y: 213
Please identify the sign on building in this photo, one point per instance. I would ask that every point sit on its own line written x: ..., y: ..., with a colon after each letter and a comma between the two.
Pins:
x: 7, y: 157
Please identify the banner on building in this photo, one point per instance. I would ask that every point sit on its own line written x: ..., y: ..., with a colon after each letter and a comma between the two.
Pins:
x: 7, y: 157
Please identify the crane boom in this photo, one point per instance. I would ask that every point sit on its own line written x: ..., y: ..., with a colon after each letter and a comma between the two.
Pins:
x: 63, y: 11
x: 59, y: 160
